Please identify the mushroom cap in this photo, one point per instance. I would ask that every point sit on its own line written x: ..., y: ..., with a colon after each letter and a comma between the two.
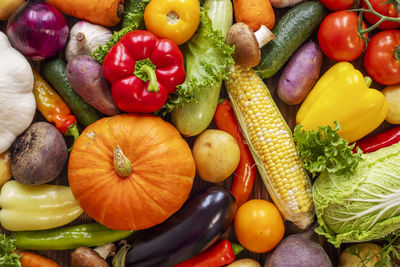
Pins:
x: 247, y: 51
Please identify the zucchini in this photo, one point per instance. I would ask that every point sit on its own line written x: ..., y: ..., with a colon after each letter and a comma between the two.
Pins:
x: 193, y: 118
x: 55, y: 73
x: 295, y: 27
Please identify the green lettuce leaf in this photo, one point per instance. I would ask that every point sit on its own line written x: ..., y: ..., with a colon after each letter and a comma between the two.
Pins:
x: 362, y: 206
x: 324, y: 149
x: 7, y: 256
x: 206, y: 58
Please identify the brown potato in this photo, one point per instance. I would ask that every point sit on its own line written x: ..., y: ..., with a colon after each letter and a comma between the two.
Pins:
x: 392, y: 95
x: 216, y: 154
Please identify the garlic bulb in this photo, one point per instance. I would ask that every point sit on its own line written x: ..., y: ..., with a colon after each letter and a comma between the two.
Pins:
x: 84, y: 38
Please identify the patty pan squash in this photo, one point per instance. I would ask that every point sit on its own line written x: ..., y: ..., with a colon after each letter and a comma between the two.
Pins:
x: 17, y: 101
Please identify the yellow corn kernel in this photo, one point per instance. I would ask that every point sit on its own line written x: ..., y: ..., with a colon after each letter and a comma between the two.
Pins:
x: 272, y: 146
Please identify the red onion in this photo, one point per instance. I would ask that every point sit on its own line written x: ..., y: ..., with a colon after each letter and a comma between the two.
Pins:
x: 38, y: 30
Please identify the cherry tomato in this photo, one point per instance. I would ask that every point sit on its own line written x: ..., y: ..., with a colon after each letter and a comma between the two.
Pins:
x: 337, y: 4
x: 259, y: 226
x: 338, y: 37
x: 382, y: 8
x: 382, y: 58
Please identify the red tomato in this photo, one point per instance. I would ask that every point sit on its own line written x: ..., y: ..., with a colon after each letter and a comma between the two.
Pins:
x: 338, y: 37
x: 382, y: 8
x: 382, y: 58
x: 337, y: 4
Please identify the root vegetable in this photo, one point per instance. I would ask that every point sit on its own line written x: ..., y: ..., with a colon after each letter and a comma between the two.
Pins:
x: 216, y: 154
x: 300, y: 74
x: 299, y: 250
x: 39, y: 155
x: 244, y: 263
x: 86, y: 77
x: 392, y: 95
x: 5, y: 167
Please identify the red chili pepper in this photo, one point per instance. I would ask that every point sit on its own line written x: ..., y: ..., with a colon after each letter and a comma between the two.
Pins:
x: 374, y: 142
x: 224, y: 252
x: 245, y: 173
x: 143, y: 71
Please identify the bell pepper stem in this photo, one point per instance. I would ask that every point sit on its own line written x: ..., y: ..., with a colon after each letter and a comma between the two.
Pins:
x: 151, y: 74
x: 73, y: 131
x: 236, y: 248
x: 146, y: 71
x: 368, y: 80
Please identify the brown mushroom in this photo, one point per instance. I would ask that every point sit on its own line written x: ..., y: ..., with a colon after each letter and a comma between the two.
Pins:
x: 87, y: 257
x: 248, y: 43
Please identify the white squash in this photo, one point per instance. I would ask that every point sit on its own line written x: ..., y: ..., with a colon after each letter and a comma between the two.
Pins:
x: 17, y: 102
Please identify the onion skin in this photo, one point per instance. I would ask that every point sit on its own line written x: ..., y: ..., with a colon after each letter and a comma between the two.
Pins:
x: 38, y: 30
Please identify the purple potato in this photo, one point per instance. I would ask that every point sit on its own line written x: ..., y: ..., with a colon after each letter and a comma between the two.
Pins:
x: 300, y: 74
x: 86, y: 77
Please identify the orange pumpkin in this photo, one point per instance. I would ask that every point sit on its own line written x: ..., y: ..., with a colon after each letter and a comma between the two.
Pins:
x: 130, y: 171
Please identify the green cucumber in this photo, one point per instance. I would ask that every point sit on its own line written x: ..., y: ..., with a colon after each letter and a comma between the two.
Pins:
x: 55, y: 73
x: 295, y: 27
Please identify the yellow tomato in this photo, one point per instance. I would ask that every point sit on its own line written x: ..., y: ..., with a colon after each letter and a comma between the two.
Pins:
x: 259, y: 226
x: 176, y: 20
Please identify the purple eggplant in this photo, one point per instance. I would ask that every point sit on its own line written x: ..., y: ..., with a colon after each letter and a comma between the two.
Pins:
x: 196, y: 226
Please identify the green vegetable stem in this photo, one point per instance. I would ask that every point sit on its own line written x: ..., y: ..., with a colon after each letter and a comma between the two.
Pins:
x: 69, y: 237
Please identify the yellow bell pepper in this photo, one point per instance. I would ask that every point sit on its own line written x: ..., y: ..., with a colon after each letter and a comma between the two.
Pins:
x: 342, y: 95
x: 176, y: 20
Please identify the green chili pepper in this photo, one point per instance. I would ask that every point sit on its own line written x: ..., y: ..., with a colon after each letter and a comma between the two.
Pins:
x: 69, y: 237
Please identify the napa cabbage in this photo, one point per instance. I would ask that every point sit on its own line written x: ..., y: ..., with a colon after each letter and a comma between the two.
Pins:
x: 363, y: 205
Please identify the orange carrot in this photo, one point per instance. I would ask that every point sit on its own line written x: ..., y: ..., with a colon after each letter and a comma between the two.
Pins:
x: 104, y: 12
x: 254, y: 13
x: 30, y: 259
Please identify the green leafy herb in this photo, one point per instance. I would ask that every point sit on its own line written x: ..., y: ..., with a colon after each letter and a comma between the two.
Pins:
x: 206, y: 58
x: 324, y: 149
x: 7, y: 256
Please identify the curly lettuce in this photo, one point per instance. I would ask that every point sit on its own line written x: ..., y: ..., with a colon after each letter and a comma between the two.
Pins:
x: 361, y: 206
x: 7, y: 256
x: 324, y: 149
x: 206, y: 58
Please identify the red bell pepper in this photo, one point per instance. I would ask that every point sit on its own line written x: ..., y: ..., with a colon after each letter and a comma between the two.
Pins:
x: 245, y: 173
x: 222, y: 253
x: 374, y: 142
x: 143, y: 70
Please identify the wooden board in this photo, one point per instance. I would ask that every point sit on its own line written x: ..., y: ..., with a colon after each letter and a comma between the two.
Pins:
x: 259, y: 191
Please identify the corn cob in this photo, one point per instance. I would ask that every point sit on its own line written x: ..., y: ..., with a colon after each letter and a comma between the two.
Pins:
x: 272, y: 145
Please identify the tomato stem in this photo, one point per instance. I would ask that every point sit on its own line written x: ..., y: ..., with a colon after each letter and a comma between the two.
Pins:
x: 396, y: 52
x: 370, y: 9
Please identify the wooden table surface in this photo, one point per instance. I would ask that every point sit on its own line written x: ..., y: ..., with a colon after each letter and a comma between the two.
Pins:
x: 259, y: 191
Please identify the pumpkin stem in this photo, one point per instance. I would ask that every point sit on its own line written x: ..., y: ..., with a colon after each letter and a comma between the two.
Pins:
x: 122, y: 165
